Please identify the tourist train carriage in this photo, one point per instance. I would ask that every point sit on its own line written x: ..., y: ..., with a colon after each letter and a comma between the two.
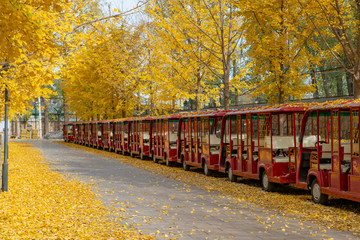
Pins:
x: 117, y: 135
x: 200, y: 140
x: 332, y: 165
x: 68, y: 132
x: 78, y: 133
x: 140, y: 132
x: 111, y: 137
x: 95, y: 134
x: 121, y: 135
x: 87, y: 134
x: 107, y: 134
x: 261, y: 143
x: 145, y: 138
x: 165, y: 138
x: 123, y: 129
x: 134, y: 135
x: 267, y: 143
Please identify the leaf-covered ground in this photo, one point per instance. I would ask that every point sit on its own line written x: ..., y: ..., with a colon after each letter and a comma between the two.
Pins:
x: 290, y: 202
x: 43, y: 204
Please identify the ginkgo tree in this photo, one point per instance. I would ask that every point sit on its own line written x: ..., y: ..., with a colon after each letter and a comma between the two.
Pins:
x: 184, y: 56
x: 33, y: 36
x: 101, y: 77
x: 206, y: 35
x: 26, y: 49
x: 280, y: 50
x: 337, y: 23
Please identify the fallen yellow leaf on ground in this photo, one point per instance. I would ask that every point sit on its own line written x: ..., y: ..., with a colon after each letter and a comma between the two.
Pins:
x: 43, y: 204
x: 288, y: 202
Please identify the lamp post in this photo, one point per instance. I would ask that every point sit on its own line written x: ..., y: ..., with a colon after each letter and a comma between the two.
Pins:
x: 5, y: 166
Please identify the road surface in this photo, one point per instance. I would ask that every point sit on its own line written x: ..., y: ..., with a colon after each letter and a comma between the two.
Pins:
x: 157, y: 205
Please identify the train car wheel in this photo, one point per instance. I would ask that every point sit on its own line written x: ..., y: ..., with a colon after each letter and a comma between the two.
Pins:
x: 154, y: 159
x: 317, y: 195
x: 231, y: 176
x: 167, y: 161
x: 266, y: 184
x: 185, y: 166
x: 207, y: 171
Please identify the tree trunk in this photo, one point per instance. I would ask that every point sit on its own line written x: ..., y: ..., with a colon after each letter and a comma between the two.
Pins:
x: 198, y: 91
x: 226, y: 89
x: 313, y: 81
x: 58, y: 122
x: 18, y: 127
x: 235, y: 73
x: 325, y: 84
x: 349, y: 82
x: 339, y: 87
x: 46, y: 117
x: 66, y: 114
x: 356, y: 78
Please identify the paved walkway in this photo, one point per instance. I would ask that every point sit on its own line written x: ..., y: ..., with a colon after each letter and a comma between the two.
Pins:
x: 155, y: 204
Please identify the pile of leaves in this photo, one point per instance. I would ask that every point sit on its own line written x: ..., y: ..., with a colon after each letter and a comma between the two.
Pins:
x: 43, y: 204
x: 288, y: 201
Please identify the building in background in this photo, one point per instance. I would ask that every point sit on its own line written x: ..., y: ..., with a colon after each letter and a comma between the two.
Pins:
x: 53, y: 115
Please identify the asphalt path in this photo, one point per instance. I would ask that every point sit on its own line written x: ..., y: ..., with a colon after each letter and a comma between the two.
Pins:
x: 157, y: 205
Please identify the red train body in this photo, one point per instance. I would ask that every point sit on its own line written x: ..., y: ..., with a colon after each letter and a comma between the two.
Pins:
x: 313, y: 146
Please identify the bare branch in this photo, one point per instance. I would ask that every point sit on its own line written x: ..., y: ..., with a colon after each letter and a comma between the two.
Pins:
x: 326, y: 43
x: 126, y: 13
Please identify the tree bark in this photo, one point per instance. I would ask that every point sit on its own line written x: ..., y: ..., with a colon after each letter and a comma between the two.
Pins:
x: 313, y: 81
x: 58, y: 122
x: 356, y: 78
x: 349, y: 83
x: 198, y: 91
x: 18, y: 127
x: 325, y: 84
x: 46, y: 117
x: 66, y: 114
x: 226, y: 82
x: 339, y: 86
x: 234, y: 75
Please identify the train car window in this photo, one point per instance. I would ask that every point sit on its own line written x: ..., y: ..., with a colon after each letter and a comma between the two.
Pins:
x: 324, y: 127
x: 166, y: 130
x: 310, y: 134
x: 287, y: 125
x: 184, y: 129
x: 335, y: 132
x: 233, y: 129
x: 345, y: 137
x: 275, y: 124
x: 265, y: 129
x: 196, y: 133
x: 146, y: 132
x: 98, y: 126
x: 355, y: 132
x: 242, y: 136
x: 126, y: 130
x: 174, y: 126
x: 204, y: 129
x: 227, y: 130
x: 215, y: 133
x: 191, y: 128
x: 173, y: 131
